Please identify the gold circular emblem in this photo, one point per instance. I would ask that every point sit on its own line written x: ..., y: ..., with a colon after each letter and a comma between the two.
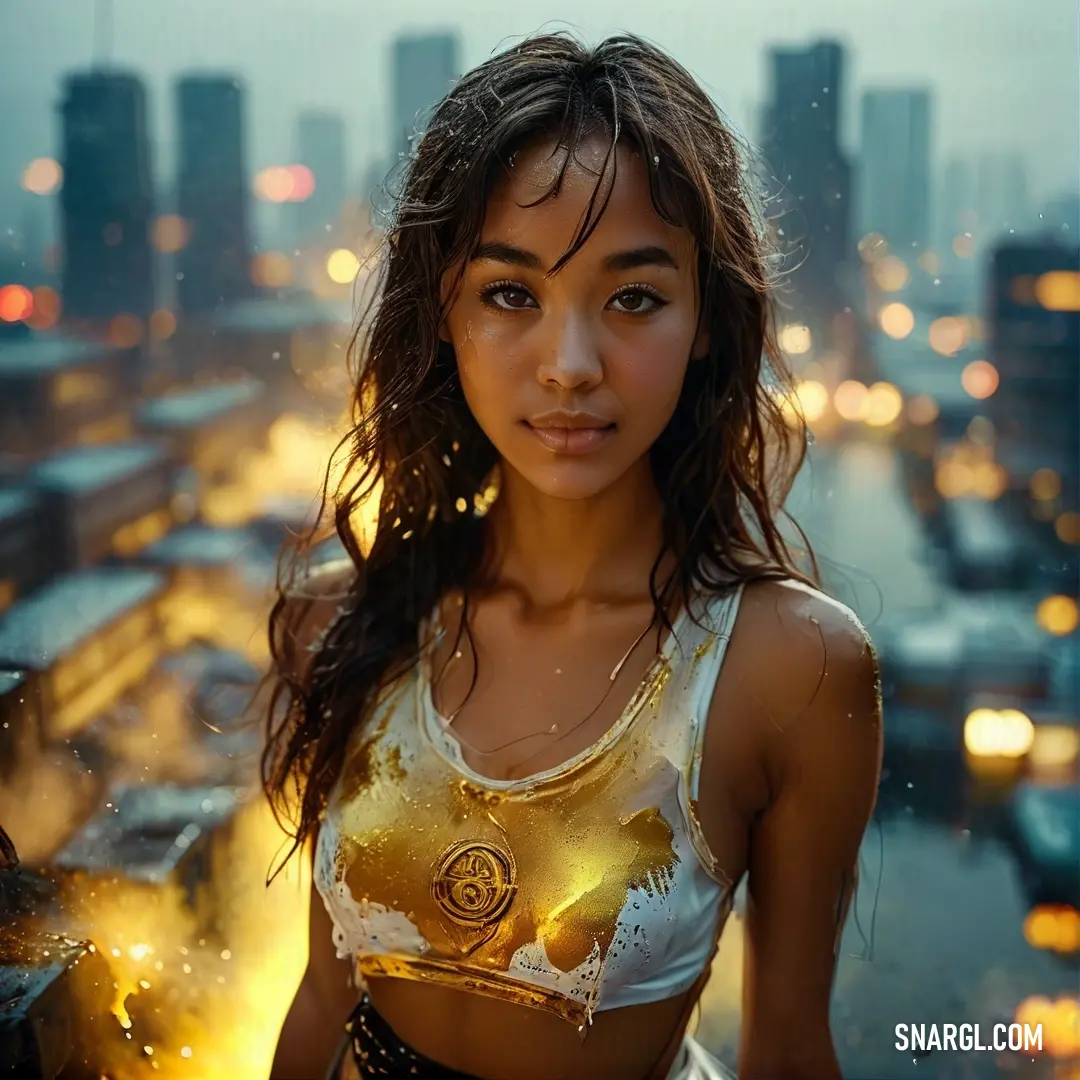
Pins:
x: 473, y: 882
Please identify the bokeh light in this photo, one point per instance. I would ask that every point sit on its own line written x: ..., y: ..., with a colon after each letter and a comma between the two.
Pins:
x: 922, y: 410
x: 1045, y: 484
x: 16, y: 303
x: 897, y: 320
x: 795, y: 339
x: 1006, y: 733
x: 47, y: 307
x: 1057, y: 615
x: 979, y: 379
x: 170, y: 233
x: 1059, y: 290
x: 948, y: 335
x: 272, y: 270
x: 162, y: 324
x: 125, y: 331
x: 883, y: 405
x: 43, y: 176
x: 284, y: 183
x: 891, y: 273
x: 342, y: 266
x: 849, y: 400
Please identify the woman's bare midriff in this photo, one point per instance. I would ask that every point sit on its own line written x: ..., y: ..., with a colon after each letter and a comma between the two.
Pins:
x: 497, y: 1040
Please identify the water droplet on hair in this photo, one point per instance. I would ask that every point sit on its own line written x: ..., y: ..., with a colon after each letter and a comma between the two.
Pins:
x: 656, y: 159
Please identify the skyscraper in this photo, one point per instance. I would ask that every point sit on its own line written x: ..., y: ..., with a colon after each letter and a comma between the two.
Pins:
x: 320, y: 145
x: 212, y: 193
x: 893, y: 187
x: 801, y: 142
x: 424, y: 68
x: 1033, y: 312
x: 106, y: 203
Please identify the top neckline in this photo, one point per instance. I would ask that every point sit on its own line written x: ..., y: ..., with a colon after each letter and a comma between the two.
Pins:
x: 441, y: 737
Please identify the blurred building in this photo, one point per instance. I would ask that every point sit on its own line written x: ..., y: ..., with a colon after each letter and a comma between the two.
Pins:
x: 105, y: 500
x: 893, y: 187
x: 320, y: 146
x: 801, y: 141
x: 1033, y: 316
x: 25, y: 559
x: 106, y: 201
x: 424, y: 68
x: 58, y: 391
x: 212, y: 193
x: 982, y: 198
x: 83, y: 639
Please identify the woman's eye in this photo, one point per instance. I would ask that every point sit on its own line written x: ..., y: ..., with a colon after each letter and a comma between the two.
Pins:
x: 642, y: 298
x: 517, y: 295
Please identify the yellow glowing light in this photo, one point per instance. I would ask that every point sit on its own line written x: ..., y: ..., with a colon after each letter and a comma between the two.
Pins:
x: 162, y: 324
x: 1053, y: 926
x: 16, y: 303
x: 1045, y: 484
x: 980, y: 379
x: 1060, y: 1022
x: 342, y: 266
x: 1067, y: 527
x: 1057, y: 615
x: 884, y: 403
x: 125, y: 331
x: 1006, y: 733
x: 170, y: 233
x: 897, y: 320
x: 284, y: 183
x: 891, y: 273
x: 988, y: 480
x: 272, y: 270
x: 849, y: 399
x: 47, y: 307
x: 42, y: 176
x: 813, y: 400
x: 922, y: 410
x: 948, y: 335
x: 795, y: 339
x: 953, y: 479
x: 1059, y: 290
x: 1055, y: 746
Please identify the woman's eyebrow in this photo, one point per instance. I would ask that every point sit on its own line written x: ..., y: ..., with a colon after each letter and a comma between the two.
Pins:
x: 650, y: 255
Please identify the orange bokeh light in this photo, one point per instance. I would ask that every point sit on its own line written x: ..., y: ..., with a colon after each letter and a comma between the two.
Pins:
x: 980, y: 379
x: 125, y: 331
x: 16, y: 303
x: 46, y: 311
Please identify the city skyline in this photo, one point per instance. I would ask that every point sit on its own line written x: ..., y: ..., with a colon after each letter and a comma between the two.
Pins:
x: 1000, y: 80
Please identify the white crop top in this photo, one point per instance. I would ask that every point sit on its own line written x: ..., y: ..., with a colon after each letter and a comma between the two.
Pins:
x: 582, y: 888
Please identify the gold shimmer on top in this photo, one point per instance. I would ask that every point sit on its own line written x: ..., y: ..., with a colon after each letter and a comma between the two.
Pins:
x: 516, y: 890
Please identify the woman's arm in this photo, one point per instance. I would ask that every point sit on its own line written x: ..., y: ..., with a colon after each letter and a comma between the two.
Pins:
x: 812, y: 695
x: 315, y: 1024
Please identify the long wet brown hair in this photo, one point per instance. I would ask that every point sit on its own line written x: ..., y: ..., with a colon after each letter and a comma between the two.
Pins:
x: 723, y: 466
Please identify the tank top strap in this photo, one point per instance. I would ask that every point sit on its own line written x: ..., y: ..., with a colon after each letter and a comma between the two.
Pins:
x: 680, y: 729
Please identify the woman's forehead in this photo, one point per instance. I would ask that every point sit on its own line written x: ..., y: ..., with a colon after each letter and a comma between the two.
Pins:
x: 629, y: 219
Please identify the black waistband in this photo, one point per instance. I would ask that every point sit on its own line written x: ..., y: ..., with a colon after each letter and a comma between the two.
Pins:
x: 378, y: 1052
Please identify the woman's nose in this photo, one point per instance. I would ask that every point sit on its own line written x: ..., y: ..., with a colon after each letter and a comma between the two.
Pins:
x: 573, y: 359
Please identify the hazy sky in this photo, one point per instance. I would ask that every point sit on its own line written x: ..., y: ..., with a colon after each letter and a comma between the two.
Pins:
x: 1006, y: 73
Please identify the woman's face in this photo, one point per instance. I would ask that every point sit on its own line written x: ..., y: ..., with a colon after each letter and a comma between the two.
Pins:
x: 573, y: 378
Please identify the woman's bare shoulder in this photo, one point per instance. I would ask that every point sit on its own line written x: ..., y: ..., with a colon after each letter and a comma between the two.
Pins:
x: 802, y: 665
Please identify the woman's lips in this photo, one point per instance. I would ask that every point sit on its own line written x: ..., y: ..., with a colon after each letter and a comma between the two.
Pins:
x: 573, y: 441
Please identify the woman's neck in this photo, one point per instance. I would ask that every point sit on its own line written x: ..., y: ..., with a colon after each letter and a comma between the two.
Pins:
x: 559, y: 551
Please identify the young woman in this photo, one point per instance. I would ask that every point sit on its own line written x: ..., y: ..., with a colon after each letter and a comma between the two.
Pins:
x: 576, y: 689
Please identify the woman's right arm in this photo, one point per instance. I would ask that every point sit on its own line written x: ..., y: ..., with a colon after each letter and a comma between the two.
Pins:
x: 315, y: 1025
